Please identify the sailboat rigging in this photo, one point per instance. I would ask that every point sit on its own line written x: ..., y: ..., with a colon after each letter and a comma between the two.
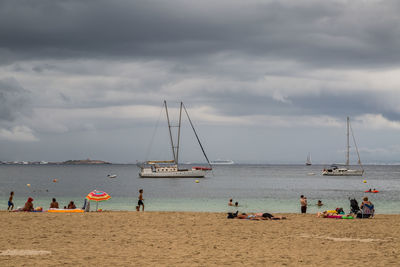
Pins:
x: 334, y: 170
x: 170, y: 168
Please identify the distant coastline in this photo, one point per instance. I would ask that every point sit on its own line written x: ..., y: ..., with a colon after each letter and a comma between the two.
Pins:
x: 68, y: 162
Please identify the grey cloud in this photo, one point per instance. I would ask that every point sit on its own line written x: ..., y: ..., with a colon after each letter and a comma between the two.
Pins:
x: 14, y: 100
x: 317, y: 33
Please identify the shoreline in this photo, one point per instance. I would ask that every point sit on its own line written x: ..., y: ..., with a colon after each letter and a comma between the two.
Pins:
x: 125, y: 238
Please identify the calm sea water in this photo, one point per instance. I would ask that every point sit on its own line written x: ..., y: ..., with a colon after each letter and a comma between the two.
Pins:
x: 273, y: 188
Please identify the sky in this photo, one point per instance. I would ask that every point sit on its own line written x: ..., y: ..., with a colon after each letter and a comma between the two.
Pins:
x: 263, y: 81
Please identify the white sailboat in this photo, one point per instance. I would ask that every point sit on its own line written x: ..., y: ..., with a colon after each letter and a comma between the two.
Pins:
x: 170, y: 168
x: 335, y: 170
x: 308, y: 161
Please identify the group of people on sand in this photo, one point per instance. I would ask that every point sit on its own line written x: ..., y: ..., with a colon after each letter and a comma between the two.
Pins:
x: 27, y: 207
x: 54, y: 205
x: 253, y: 216
x: 259, y: 216
x: 71, y: 205
x: 358, y: 212
x: 29, y: 204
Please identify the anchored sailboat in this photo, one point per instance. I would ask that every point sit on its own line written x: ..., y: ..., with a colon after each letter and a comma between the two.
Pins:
x: 334, y: 170
x: 170, y: 168
x: 308, y: 162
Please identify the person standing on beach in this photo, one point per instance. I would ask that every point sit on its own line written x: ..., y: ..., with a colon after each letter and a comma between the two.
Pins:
x: 303, y: 204
x: 10, y: 201
x: 140, y: 201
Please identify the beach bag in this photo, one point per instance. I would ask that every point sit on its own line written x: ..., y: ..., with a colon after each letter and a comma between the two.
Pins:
x: 232, y: 215
x: 339, y: 210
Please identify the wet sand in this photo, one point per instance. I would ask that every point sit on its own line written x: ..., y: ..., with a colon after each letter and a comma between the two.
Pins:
x: 194, y: 239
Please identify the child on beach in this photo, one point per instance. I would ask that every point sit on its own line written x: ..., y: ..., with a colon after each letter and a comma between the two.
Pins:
x: 140, y: 201
x: 10, y: 201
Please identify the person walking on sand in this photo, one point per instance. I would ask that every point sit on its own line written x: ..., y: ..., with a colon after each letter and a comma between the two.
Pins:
x: 303, y: 204
x: 140, y: 201
x: 10, y: 201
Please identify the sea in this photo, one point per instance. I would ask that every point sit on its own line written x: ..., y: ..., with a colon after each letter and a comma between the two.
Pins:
x: 257, y: 188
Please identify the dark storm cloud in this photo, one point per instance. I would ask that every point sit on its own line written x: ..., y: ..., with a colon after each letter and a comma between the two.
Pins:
x: 14, y: 100
x: 319, y: 33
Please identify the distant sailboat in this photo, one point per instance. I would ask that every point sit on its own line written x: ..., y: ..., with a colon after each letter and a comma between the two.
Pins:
x: 308, y: 162
x: 345, y: 171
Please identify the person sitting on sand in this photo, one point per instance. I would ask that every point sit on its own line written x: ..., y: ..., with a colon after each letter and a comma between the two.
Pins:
x: 319, y: 203
x: 71, y: 205
x: 28, y: 205
x: 54, y: 204
x: 230, y: 203
x: 367, y: 208
x: 365, y: 201
x: 259, y: 216
x: 10, y: 201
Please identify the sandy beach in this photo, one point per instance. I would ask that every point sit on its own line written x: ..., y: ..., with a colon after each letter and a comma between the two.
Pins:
x: 194, y: 239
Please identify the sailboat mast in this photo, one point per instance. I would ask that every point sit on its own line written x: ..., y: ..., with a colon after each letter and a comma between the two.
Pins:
x: 197, y: 137
x: 355, y: 144
x: 179, y: 133
x: 170, y: 133
x: 348, y: 143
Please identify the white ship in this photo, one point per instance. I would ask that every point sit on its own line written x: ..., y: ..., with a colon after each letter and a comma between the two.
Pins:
x: 170, y: 168
x: 222, y: 162
x: 334, y: 170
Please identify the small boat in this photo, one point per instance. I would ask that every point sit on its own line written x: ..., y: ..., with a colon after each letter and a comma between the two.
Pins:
x: 334, y: 170
x: 372, y: 191
x: 112, y: 176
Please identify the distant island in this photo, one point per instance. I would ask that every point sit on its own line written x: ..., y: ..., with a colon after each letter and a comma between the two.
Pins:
x: 84, y: 161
